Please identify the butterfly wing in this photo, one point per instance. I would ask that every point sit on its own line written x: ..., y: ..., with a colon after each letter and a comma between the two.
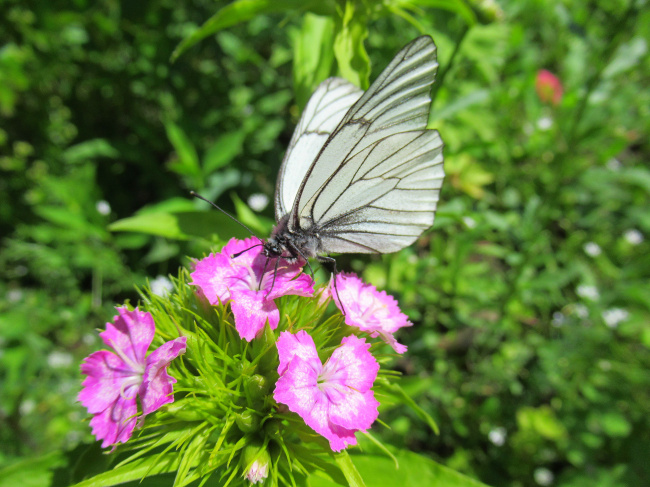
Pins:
x: 389, y: 198
x: 374, y: 184
x: 323, y: 113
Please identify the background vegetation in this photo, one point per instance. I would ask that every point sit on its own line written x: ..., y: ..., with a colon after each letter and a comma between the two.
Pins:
x: 530, y: 295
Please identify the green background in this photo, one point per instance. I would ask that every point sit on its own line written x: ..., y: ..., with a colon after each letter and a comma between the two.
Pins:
x: 529, y: 296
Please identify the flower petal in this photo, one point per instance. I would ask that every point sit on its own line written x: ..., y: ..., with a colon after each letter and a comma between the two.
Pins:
x: 107, y: 374
x: 115, y: 424
x: 288, y: 280
x: 251, y: 310
x: 302, y: 345
x: 357, y: 411
x: 130, y: 335
x: 352, y: 365
x: 368, y: 309
x: 210, y: 276
x: 157, y: 388
x: 298, y: 389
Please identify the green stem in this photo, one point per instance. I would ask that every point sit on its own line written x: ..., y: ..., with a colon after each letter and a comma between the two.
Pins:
x: 450, y: 64
x: 619, y: 29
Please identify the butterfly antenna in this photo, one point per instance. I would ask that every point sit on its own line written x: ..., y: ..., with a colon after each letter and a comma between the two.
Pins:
x: 196, y: 195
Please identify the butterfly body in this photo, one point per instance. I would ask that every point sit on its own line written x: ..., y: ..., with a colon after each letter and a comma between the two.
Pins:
x: 291, y: 244
x: 362, y: 173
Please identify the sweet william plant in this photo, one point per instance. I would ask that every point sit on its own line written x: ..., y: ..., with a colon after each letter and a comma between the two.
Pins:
x: 247, y: 372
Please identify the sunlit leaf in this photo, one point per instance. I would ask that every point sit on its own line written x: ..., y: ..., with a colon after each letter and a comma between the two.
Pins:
x: 351, y: 56
x: 182, y: 226
x: 187, y: 163
x: 313, y: 55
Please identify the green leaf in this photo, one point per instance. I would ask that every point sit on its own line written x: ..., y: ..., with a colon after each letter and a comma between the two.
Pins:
x: 541, y: 420
x: 379, y: 470
x: 455, y: 6
x: 255, y: 222
x: 313, y: 55
x: 223, y: 151
x: 182, y: 225
x: 240, y: 11
x: 33, y: 472
x: 188, y: 160
x: 89, y: 150
x: 459, y: 104
x: 344, y: 462
x: 414, y: 470
x: 351, y: 55
x: 408, y: 400
x: 135, y: 470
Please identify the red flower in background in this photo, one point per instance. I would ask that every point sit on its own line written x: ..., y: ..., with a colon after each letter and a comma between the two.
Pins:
x: 548, y: 87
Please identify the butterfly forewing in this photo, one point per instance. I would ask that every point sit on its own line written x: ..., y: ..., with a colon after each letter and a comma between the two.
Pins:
x: 374, y: 183
x: 323, y: 113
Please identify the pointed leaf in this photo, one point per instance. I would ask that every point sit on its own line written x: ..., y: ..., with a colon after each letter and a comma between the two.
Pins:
x: 182, y: 225
x: 344, y: 462
x: 188, y: 159
x: 241, y: 11
x: 351, y: 55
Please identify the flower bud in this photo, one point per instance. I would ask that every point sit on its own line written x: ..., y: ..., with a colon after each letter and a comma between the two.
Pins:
x: 247, y: 421
x: 189, y: 409
x: 257, y: 387
x: 256, y: 461
x: 273, y: 429
x: 264, y: 345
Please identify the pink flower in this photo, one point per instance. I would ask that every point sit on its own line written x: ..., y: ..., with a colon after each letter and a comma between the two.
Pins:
x: 548, y: 87
x: 334, y: 399
x: 368, y: 309
x: 247, y: 281
x: 115, y: 379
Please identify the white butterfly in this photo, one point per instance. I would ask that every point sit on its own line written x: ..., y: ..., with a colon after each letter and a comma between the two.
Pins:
x: 362, y: 172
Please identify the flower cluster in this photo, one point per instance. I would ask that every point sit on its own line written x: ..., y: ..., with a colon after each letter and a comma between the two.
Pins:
x: 241, y: 275
x: 253, y: 360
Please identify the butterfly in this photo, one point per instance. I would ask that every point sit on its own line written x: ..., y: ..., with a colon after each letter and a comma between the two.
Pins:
x: 362, y: 173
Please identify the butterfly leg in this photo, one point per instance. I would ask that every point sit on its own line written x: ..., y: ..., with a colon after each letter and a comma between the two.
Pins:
x: 275, y: 273
x: 330, y: 264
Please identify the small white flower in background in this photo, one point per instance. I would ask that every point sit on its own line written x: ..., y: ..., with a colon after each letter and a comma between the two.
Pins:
x: 102, y: 207
x: 498, y: 436
x: 89, y: 339
x: 612, y: 317
x: 161, y: 286
x: 258, y: 201
x: 14, y: 295
x: 469, y: 221
x: 588, y: 292
x: 544, y: 123
x: 558, y: 319
x: 633, y: 236
x: 614, y: 164
x: 592, y: 249
x: 59, y: 360
x: 580, y: 310
x: 26, y: 407
x: 605, y: 365
x: 543, y: 476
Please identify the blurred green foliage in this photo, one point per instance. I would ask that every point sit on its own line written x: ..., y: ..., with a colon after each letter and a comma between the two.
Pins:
x: 530, y: 296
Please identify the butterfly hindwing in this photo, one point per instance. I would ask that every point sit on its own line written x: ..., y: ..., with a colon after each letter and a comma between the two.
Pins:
x: 323, y: 113
x: 390, y: 196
